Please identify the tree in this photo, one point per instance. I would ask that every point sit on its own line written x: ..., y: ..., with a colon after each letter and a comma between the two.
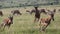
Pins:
x: 57, y: 1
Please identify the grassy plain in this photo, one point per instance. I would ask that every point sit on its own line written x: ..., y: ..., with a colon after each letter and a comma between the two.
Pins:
x: 23, y: 24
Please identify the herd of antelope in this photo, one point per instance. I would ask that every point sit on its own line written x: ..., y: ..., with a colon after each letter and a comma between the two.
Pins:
x: 43, y: 22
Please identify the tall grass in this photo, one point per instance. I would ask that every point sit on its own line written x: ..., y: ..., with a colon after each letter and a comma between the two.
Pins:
x: 23, y: 24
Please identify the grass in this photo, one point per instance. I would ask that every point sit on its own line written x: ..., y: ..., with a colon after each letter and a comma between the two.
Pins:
x: 24, y: 24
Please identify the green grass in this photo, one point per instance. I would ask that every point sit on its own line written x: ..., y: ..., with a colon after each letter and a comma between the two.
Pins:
x: 24, y: 24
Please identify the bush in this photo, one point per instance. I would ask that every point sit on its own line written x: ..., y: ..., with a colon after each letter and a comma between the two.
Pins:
x: 0, y: 6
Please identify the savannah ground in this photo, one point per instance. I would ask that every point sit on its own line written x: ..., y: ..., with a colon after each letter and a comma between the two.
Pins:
x: 24, y: 24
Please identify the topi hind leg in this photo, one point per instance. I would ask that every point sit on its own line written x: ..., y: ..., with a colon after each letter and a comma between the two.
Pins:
x: 4, y: 26
x: 43, y: 26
